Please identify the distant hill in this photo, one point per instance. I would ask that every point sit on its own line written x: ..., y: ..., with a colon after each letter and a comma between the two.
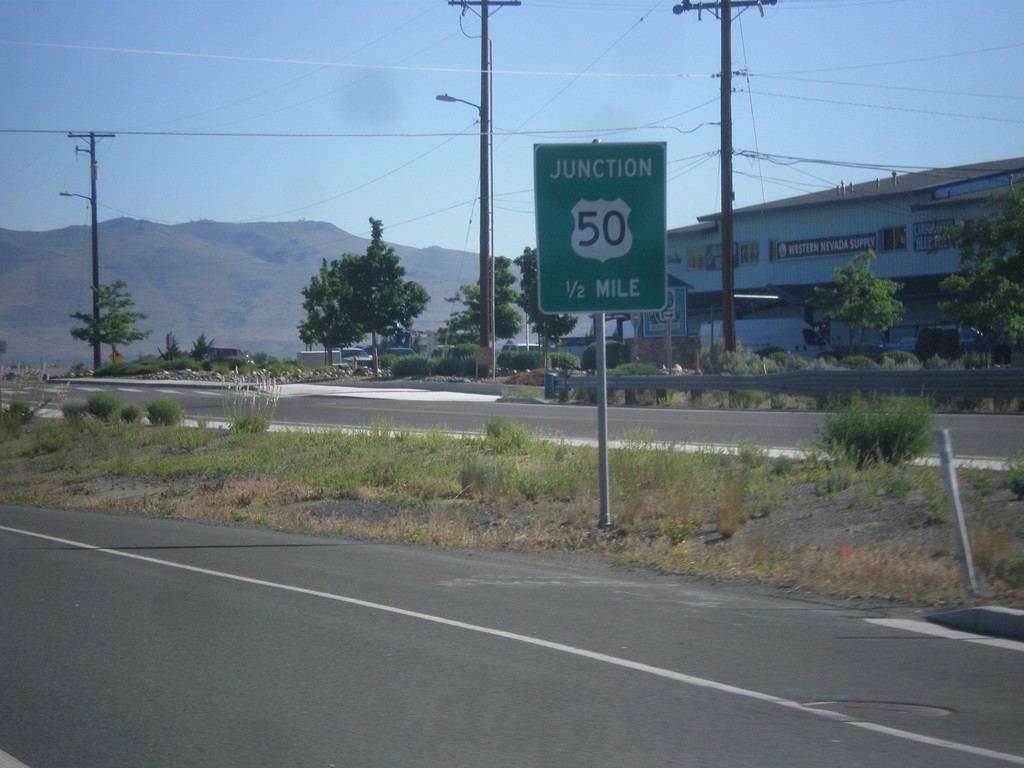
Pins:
x: 240, y: 284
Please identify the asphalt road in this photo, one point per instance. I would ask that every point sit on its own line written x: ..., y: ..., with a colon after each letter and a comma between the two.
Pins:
x: 130, y: 641
x: 466, y: 408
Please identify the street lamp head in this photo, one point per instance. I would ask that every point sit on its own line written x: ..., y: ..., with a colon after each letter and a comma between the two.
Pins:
x: 66, y: 194
x: 445, y: 97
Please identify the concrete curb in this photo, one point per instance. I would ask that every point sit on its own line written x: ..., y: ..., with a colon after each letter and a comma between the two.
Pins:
x: 986, y: 620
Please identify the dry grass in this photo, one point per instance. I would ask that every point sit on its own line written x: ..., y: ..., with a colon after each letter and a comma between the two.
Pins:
x: 880, y: 533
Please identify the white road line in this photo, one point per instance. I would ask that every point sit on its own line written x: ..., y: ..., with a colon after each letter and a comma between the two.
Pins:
x: 6, y: 761
x: 935, y: 630
x: 636, y: 666
x: 179, y: 392
x: 420, y: 395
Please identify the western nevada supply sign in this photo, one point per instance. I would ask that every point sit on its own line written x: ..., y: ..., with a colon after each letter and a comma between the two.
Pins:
x: 600, y: 227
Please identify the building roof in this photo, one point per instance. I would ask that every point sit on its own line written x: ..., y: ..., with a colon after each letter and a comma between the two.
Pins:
x: 939, y: 187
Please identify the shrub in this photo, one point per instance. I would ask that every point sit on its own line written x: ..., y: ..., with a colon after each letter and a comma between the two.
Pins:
x: 678, y: 531
x: 164, y: 412
x: 892, y: 430
x: 453, y: 365
x: 563, y: 361
x: 743, y: 362
x: 1015, y: 475
x: 859, y: 361
x: 636, y: 369
x: 131, y: 414
x: 485, y: 476
x: 899, y: 358
x: 520, y: 360
x: 250, y: 424
x: 104, y: 405
x: 74, y: 410
x: 406, y: 365
x: 616, y: 354
x: 975, y: 358
x: 18, y: 411
x: 935, y: 362
x: 943, y: 342
x: 127, y: 370
x: 15, y: 416
x: 506, y: 436
x: 53, y: 438
x: 181, y: 364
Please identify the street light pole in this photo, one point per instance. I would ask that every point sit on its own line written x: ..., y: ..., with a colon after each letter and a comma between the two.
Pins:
x: 486, y: 272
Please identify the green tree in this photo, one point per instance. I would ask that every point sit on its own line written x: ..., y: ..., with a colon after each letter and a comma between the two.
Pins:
x: 549, y: 327
x: 171, y: 349
x: 117, y: 324
x: 990, y: 284
x: 364, y: 294
x: 201, y: 347
x: 388, y: 302
x: 329, y: 301
x: 464, y: 326
x: 860, y: 299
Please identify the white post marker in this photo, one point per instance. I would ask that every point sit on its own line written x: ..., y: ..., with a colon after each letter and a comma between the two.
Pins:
x: 601, y: 229
x: 957, y: 510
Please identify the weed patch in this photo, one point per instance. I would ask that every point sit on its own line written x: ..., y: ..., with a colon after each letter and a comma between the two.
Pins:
x: 869, y: 430
x: 816, y: 524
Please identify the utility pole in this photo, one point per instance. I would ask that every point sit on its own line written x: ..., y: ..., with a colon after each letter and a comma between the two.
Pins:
x: 486, y: 298
x: 723, y: 10
x: 92, y: 136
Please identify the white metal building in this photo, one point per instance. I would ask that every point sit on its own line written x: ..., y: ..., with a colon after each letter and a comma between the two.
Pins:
x: 785, y: 248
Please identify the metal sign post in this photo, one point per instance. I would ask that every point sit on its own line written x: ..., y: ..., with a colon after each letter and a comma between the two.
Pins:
x: 601, y: 224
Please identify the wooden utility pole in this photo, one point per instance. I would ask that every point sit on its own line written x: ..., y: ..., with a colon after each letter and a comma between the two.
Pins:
x: 486, y: 299
x: 92, y: 136
x: 723, y: 10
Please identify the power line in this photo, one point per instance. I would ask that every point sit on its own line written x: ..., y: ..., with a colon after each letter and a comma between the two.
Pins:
x: 890, y: 107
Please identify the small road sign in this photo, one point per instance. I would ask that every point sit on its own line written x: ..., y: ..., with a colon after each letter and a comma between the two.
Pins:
x: 600, y: 227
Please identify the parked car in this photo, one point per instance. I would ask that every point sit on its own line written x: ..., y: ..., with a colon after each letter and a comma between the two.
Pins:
x: 399, y: 351
x: 970, y: 340
x: 791, y: 334
x: 230, y: 355
x: 358, y: 354
x: 512, y: 347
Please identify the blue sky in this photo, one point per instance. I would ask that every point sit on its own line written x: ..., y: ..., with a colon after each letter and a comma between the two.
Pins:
x: 326, y: 109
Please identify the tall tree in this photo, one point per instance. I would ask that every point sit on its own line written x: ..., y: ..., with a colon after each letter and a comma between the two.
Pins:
x: 117, y: 323
x: 860, y: 299
x: 201, y: 347
x: 172, y: 351
x: 549, y: 327
x: 388, y: 302
x: 463, y: 326
x: 329, y: 301
x: 361, y: 294
x: 990, y: 285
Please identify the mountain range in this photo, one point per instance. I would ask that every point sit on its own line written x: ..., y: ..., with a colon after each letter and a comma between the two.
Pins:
x: 239, y: 284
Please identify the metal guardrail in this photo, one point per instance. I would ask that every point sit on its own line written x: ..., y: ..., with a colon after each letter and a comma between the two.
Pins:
x: 981, y: 382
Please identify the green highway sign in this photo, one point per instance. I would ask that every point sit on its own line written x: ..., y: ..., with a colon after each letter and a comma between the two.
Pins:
x: 600, y: 227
